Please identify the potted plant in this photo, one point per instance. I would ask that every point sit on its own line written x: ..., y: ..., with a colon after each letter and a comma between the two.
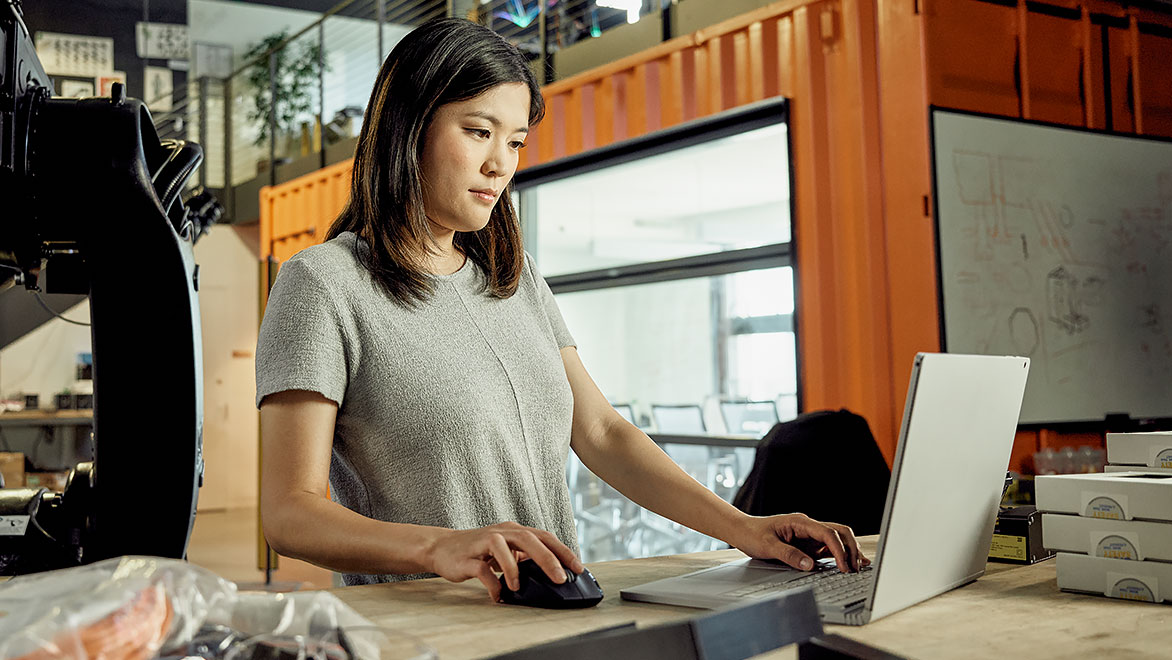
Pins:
x: 298, y: 67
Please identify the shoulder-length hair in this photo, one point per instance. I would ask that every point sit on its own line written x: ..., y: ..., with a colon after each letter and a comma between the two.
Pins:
x: 442, y: 61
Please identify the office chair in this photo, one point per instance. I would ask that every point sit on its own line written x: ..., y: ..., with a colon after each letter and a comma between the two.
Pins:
x: 749, y: 417
x: 685, y: 419
x: 824, y: 464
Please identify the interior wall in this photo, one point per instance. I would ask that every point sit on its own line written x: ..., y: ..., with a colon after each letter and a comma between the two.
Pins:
x: 44, y: 362
x: 352, y: 63
x: 115, y: 19
x: 228, y: 304
x: 1097, y: 64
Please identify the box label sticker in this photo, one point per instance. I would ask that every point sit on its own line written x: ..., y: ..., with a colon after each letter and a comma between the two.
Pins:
x: 1132, y: 589
x: 13, y: 525
x: 1129, y: 586
x: 1104, y: 507
x: 1114, y: 546
x: 1006, y: 546
x: 1162, y: 458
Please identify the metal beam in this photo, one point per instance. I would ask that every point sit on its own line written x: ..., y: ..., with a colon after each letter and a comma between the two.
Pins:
x: 705, y: 265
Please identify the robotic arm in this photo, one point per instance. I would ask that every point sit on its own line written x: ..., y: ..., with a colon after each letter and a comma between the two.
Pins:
x: 91, y: 205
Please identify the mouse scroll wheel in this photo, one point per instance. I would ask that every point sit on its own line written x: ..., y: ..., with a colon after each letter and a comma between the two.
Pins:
x: 571, y: 576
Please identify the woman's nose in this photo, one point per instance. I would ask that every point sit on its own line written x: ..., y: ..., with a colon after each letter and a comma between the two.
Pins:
x: 494, y: 161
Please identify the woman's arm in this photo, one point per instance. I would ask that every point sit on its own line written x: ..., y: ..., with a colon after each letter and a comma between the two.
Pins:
x: 300, y: 520
x: 627, y: 459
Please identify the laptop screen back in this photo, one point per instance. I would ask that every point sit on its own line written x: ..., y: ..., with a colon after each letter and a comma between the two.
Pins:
x: 960, y: 420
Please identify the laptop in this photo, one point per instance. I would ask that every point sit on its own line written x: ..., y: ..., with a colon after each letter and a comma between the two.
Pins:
x: 959, y: 423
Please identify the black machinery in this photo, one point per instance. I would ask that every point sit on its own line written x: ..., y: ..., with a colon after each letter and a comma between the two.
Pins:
x: 90, y: 203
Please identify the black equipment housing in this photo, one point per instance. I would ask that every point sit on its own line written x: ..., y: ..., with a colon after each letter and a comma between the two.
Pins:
x: 91, y: 205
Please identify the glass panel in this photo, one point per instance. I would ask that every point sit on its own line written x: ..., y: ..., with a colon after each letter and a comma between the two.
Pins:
x: 237, y: 28
x: 610, y: 526
x: 212, y: 141
x: 762, y: 366
x: 761, y: 293
x: 673, y: 351
x: 353, y: 61
x: 726, y: 194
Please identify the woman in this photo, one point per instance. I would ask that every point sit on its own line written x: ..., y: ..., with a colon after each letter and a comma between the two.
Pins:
x: 418, y: 360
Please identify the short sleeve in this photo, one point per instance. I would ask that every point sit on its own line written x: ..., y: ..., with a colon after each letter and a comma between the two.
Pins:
x: 302, y: 343
x: 560, y: 332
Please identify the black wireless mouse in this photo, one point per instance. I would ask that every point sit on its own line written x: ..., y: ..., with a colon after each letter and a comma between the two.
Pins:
x: 537, y: 590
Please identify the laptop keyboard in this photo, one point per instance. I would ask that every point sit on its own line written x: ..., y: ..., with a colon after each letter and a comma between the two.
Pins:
x: 830, y: 586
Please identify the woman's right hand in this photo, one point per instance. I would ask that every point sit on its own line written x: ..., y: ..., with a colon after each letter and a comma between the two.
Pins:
x: 458, y: 555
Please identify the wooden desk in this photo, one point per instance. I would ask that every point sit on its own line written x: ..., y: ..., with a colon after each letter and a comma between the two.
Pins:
x: 52, y: 440
x: 47, y: 418
x: 1013, y: 611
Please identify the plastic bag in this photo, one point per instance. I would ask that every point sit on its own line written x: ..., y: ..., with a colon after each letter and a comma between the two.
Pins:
x: 146, y: 607
x: 306, y: 613
x: 309, y: 624
x: 127, y: 607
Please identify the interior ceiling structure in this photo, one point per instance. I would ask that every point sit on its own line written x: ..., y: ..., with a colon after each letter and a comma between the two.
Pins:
x: 397, y: 11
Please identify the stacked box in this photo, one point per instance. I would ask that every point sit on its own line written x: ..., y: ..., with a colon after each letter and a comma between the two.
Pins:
x: 1112, y: 532
x: 1151, y: 451
x: 1133, y: 468
x: 12, y: 469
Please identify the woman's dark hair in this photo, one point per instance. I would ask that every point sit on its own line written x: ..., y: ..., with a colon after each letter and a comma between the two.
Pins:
x: 442, y: 61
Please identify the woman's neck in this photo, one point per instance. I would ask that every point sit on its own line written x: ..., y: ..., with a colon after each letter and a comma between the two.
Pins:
x: 444, y: 258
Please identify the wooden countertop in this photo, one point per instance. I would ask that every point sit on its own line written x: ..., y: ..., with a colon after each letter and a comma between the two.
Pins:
x: 47, y: 417
x: 1013, y: 611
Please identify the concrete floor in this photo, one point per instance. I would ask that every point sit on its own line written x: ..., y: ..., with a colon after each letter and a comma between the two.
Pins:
x: 224, y: 542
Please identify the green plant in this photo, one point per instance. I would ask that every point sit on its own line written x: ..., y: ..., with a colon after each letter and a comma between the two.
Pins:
x: 297, y: 69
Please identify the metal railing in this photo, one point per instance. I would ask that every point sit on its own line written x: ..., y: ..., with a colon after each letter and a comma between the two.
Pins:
x: 321, y: 77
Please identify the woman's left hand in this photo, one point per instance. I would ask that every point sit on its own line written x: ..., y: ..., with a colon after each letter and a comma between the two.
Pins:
x: 796, y: 539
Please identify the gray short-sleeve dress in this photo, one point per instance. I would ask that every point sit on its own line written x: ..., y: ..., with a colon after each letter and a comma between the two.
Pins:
x: 455, y: 413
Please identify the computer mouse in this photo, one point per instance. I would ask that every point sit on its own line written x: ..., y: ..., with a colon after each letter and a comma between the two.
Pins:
x: 537, y: 590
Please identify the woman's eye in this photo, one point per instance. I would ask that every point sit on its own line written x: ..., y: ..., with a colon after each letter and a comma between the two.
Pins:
x: 517, y: 145
x: 480, y: 132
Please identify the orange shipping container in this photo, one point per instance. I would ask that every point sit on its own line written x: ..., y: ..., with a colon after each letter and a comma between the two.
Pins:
x: 861, y: 75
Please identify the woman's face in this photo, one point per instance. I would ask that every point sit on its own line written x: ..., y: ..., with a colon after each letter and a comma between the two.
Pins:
x: 470, y: 154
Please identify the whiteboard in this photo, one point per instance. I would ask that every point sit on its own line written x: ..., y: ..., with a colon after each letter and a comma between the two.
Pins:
x: 1056, y: 244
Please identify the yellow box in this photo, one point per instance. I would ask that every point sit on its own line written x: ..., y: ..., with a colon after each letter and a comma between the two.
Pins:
x: 51, y: 480
x: 12, y: 468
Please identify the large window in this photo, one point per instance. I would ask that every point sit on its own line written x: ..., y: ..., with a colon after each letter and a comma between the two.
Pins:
x: 696, y: 341
x: 720, y: 195
x: 670, y: 260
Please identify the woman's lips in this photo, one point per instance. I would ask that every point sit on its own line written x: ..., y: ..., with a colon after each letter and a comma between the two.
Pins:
x: 483, y: 196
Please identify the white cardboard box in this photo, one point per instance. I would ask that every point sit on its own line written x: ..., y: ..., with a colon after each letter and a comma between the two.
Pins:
x: 1149, y: 581
x: 1116, y: 539
x: 1136, y: 468
x: 1110, y: 495
x: 1152, y: 449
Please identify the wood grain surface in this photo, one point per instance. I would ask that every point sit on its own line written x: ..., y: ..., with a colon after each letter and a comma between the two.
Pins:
x: 1012, y: 611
